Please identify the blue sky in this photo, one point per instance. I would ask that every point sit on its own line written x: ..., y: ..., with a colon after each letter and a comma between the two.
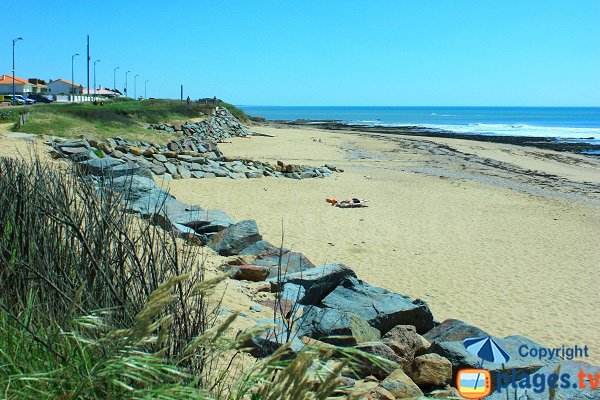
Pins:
x: 348, y: 52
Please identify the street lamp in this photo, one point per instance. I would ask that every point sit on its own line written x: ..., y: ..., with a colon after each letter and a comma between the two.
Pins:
x: 135, y: 87
x: 73, y: 76
x: 115, y: 78
x: 126, y: 91
x: 97, y: 61
x: 14, y: 100
x: 145, y: 82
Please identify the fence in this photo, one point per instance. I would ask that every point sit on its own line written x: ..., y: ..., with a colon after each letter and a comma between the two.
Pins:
x: 22, y: 119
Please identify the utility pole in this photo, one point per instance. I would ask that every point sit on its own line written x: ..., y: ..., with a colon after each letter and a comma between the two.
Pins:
x: 115, y: 78
x: 73, y: 77
x: 181, y: 99
x: 135, y: 87
x: 145, y: 96
x: 126, y: 91
x: 95, y: 78
x: 88, y: 65
x: 14, y: 99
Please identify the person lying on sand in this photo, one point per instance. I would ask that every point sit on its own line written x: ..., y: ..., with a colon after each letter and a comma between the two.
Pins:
x: 354, y: 202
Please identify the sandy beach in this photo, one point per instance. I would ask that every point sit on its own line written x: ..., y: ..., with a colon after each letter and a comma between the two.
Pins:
x: 500, y: 236
x: 503, y: 237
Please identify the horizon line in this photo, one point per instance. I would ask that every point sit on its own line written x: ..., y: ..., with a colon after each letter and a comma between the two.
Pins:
x: 415, y: 106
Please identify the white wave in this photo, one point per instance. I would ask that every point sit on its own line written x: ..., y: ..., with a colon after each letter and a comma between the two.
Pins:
x: 521, y: 130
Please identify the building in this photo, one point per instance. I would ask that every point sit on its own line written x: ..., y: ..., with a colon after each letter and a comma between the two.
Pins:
x: 62, y: 86
x: 22, y: 86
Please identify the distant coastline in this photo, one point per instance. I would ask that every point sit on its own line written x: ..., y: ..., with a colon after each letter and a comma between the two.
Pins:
x: 574, y: 129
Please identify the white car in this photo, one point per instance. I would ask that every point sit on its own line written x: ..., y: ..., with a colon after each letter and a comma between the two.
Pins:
x: 25, y: 99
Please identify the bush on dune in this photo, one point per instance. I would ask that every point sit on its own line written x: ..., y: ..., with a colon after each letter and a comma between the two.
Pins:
x: 97, y: 303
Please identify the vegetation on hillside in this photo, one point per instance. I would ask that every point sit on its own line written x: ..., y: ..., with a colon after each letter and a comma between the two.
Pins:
x: 97, y: 303
x: 118, y: 117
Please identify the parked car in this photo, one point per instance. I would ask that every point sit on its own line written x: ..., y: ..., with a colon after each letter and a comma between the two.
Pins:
x: 25, y: 99
x: 40, y: 98
x: 9, y: 99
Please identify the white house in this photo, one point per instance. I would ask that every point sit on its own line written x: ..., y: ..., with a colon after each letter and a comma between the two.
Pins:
x: 62, y: 86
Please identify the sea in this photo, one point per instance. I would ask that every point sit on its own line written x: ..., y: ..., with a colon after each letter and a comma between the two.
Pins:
x: 573, y: 124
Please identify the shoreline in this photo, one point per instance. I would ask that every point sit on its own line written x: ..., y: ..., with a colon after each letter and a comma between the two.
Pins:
x: 547, y: 143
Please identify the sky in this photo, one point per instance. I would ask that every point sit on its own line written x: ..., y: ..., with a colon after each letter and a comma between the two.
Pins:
x: 315, y: 52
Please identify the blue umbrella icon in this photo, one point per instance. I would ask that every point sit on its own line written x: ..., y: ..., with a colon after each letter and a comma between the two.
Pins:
x: 487, y: 349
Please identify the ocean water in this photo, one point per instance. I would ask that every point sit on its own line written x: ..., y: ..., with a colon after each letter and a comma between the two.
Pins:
x: 562, y: 123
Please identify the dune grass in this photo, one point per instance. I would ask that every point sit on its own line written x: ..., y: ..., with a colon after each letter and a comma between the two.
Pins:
x: 119, y: 117
x: 97, y: 303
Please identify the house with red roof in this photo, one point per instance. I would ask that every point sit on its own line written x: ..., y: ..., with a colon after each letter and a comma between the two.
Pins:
x: 22, y: 86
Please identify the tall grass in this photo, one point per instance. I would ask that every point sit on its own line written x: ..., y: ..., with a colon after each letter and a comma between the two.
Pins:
x: 120, y: 117
x: 96, y: 303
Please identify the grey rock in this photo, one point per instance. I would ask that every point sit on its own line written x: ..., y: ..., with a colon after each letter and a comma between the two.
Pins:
x: 160, y: 158
x: 336, y: 327
x: 382, y: 308
x: 185, y: 174
x: 236, y: 237
x: 171, y: 168
x: 320, y: 281
x: 452, y: 330
x: 198, y: 174
x: 112, y: 167
x: 158, y: 169
x: 292, y: 293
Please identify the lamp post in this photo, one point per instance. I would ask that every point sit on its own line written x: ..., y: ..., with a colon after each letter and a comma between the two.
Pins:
x: 145, y: 82
x: 14, y: 100
x: 135, y: 87
x: 97, y: 61
x: 126, y: 91
x: 115, y: 78
x: 73, y: 76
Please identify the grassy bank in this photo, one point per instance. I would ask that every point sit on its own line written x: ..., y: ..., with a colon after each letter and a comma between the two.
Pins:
x: 97, y: 303
x: 119, y: 117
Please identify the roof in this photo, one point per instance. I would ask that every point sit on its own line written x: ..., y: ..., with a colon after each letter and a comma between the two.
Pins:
x: 64, y: 81
x: 8, y: 80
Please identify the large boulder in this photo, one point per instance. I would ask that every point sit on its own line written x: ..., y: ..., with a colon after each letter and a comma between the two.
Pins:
x: 452, y: 330
x: 272, y: 339
x: 401, y: 386
x: 202, y: 221
x: 236, y: 237
x: 538, y: 383
x: 336, y: 327
x: 111, y: 167
x: 430, y: 370
x: 140, y: 195
x: 380, y: 307
x: 318, y: 282
x: 280, y: 261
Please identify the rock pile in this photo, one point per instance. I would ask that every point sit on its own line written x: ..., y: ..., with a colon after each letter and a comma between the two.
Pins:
x: 184, y: 158
x: 219, y: 126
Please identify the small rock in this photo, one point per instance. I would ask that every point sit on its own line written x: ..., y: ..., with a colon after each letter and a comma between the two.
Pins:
x: 253, y: 273
x: 135, y: 150
x: 431, y: 370
x: 400, y: 385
